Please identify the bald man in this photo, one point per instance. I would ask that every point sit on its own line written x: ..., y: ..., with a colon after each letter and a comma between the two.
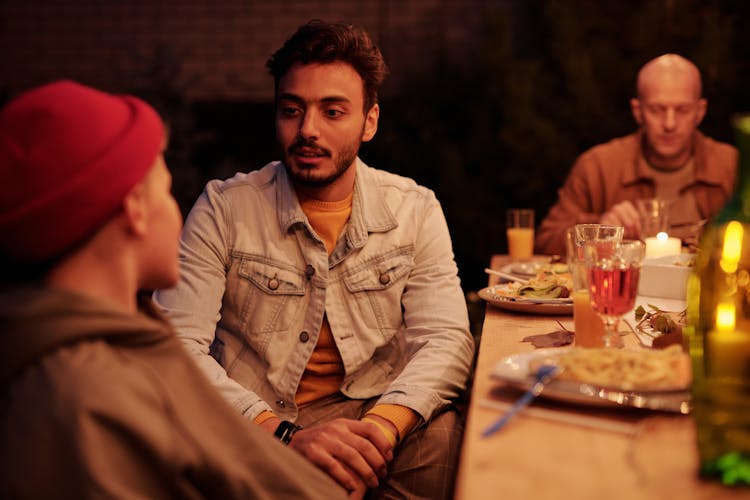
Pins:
x: 667, y: 158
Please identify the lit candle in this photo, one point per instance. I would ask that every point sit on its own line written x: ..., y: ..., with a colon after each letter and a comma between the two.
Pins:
x: 728, y: 349
x: 662, y: 245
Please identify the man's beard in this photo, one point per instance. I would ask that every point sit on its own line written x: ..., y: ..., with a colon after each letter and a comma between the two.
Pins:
x: 305, y: 177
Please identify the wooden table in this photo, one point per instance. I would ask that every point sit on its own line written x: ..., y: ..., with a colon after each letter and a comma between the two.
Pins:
x: 622, y: 454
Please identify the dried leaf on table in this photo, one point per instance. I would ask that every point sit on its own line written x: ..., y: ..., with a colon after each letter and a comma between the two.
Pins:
x: 556, y: 338
x: 665, y: 327
x: 639, y: 313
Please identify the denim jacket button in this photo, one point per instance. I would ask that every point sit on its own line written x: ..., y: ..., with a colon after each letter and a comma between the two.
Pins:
x: 384, y: 279
x: 273, y: 283
x: 309, y: 271
x: 304, y: 337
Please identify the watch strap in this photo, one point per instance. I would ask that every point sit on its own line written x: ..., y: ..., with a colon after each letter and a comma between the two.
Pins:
x: 285, y: 431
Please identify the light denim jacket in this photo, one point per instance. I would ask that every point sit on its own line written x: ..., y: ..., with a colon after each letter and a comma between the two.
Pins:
x: 257, y: 280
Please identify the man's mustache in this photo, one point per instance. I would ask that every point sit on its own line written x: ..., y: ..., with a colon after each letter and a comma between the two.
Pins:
x: 306, y: 144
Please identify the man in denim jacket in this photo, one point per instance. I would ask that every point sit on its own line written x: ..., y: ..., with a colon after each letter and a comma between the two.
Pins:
x: 321, y: 296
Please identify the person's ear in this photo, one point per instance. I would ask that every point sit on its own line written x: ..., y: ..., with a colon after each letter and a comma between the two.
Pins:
x: 371, y: 123
x: 135, y: 210
x: 637, y: 110
x: 702, y: 105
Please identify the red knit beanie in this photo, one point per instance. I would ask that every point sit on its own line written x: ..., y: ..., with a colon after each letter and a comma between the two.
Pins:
x: 69, y: 154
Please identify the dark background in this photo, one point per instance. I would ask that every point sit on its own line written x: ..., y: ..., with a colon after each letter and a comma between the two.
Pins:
x: 488, y: 107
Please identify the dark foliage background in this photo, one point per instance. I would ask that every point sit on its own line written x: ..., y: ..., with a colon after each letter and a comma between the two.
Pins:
x: 499, y: 125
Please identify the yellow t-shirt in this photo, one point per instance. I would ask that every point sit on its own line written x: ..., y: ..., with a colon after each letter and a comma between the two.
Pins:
x: 325, y: 370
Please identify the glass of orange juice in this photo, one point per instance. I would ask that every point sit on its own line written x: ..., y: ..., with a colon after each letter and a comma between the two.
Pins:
x: 589, y: 326
x: 519, y: 229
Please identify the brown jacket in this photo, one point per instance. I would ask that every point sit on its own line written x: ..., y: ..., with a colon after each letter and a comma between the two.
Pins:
x: 101, y: 404
x: 613, y: 172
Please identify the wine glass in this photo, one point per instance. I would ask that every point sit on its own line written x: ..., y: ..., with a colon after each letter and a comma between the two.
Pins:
x: 613, y: 283
x: 589, y: 327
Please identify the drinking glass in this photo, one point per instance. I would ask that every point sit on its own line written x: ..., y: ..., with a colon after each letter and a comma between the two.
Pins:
x: 589, y: 327
x: 605, y: 237
x: 654, y: 216
x: 613, y: 283
x: 519, y: 229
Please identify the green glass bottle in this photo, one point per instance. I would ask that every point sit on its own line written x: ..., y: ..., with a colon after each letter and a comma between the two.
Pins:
x: 718, y: 331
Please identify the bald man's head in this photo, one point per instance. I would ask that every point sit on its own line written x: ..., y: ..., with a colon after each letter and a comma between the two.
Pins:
x: 669, y: 67
x: 668, y: 108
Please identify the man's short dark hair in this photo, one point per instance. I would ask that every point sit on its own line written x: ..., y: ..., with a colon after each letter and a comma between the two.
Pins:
x: 322, y: 42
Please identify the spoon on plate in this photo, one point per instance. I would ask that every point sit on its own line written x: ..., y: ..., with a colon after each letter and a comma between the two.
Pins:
x: 543, y: 375
x: 507, y: 276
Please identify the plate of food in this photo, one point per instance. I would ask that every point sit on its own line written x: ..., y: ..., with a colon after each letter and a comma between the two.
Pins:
x: 656, y: 379
x: 523, y: 269
x: 548, y: 292
x: 531, y: 268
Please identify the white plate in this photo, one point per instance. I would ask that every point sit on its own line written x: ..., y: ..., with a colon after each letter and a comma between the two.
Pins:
x: 526, y: 304
x: 514, y: 370
x: 523, y: 269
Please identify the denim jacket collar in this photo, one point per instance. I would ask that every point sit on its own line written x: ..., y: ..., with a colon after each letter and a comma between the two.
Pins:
x: 370, y: 213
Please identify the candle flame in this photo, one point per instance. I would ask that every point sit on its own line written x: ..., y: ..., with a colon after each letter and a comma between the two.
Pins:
x: 725, y: 316
x: 730, y: 254
x: 662, y: 236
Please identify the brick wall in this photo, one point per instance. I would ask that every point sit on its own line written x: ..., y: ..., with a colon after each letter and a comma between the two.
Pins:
x: 212, y: 49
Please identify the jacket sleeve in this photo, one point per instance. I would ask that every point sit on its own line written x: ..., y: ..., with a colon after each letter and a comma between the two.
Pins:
x: 574, y: 206
x: 439, y: 344
x: 194, y: 304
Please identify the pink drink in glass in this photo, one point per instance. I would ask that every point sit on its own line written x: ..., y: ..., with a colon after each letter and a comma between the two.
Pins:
x: 613, y: 290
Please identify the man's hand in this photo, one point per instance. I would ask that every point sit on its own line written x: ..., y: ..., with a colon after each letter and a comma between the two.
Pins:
x: 624, y: 214
x: 352, y: 452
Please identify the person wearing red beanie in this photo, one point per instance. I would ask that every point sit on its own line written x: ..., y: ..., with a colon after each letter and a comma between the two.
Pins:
x: 68, y: 155
x: 99, y: 398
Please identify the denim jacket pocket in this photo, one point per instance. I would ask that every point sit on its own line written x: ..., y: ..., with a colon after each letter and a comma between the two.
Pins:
x: 274, y: 295
x: 377, y: 286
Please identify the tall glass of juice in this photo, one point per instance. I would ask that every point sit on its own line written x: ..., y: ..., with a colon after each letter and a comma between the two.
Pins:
x: 519, y: 230
x: 589, y: 326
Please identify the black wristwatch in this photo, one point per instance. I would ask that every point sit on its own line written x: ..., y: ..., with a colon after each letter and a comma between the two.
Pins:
x: 285, y: 431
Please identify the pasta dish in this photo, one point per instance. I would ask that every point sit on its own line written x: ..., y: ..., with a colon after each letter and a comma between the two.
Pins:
x: 624, y: 369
